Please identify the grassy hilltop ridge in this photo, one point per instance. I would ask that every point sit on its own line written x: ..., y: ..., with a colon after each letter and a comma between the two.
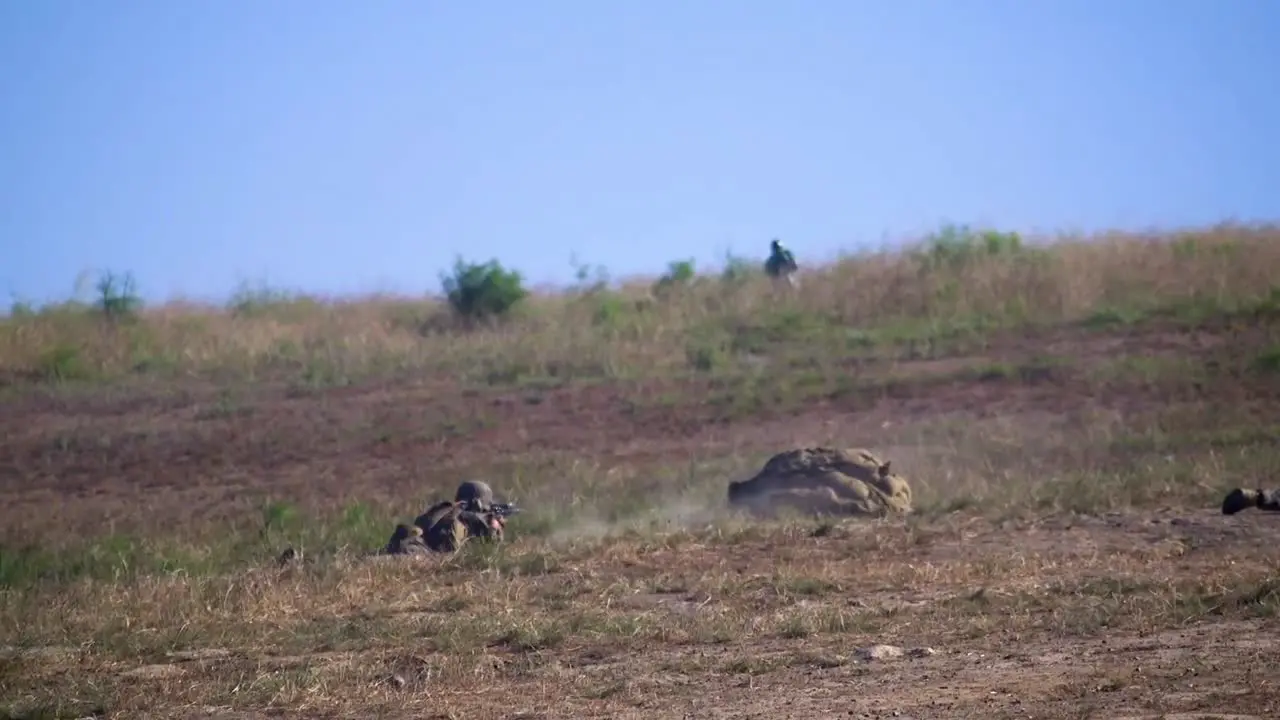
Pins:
x: 957, y: 284
x: 1068, y: 413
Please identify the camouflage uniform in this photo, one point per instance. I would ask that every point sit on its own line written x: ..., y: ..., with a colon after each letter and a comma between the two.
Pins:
x: 446, y: 525
x: 1242, y: 499
x: 406, y: 540
x: 824, y: 481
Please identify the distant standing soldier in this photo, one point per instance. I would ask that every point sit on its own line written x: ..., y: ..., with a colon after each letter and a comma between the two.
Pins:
x: 781, y: 265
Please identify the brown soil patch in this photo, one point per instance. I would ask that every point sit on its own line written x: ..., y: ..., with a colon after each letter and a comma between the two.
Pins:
x: 189, y: 451
x: 1132, y: 615
x: 1142, y: 613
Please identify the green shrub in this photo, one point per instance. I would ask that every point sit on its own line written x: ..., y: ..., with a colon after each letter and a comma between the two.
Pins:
x: 680, y: 273
x: 589, y: 279
x: 954, y: 246
x: 738, y: 269
x: 262, y: 300
x: 61, y: 363
x: 21, y: 309
x: 118, y: 296
x: 481, y: 291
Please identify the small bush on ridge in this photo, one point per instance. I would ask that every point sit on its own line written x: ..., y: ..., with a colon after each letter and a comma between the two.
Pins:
x: 479, y: 291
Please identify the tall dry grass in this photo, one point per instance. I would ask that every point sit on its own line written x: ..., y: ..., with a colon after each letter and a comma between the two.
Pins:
x: 859, y: 301
x: 123, y: 591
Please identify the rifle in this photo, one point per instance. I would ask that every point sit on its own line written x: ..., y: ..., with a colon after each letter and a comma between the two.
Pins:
x: 505, y: 510
x: 502, y: 510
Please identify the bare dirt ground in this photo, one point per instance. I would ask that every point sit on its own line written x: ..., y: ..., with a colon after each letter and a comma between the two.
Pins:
x: 1165, y: 615
x: 188, y: 448
x: 1163, y: 609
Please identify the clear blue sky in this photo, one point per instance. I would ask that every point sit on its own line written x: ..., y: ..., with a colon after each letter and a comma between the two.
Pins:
x: 359, y: 145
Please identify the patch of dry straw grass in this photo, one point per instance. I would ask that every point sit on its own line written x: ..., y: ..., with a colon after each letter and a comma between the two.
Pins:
x: 557, y: 624
x: 626, y: 333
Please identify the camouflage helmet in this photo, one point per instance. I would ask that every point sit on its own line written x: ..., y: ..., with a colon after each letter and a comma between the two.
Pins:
x: 475, y: 493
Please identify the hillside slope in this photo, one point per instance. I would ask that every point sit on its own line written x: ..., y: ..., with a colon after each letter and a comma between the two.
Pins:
x: 1069, y: 418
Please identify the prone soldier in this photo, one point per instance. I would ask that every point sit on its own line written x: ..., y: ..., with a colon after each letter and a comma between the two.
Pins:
x: 472, y: 513
x: 1242, y: 499
x: 406, y: 540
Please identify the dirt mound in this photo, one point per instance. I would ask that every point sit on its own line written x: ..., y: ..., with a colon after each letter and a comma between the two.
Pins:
x: 823, y: 481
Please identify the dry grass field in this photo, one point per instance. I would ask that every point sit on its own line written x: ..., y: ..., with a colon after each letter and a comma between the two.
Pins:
x: 1069, y: 414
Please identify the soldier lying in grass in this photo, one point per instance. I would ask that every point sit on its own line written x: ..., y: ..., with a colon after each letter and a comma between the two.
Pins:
x: 445, y: 526
x: 1242, y: 499
x: 406, y: 540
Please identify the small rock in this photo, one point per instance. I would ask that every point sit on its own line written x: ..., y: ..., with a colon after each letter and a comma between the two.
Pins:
x: 878, y: 652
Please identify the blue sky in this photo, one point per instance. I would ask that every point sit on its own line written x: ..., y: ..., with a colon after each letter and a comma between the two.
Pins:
x: 339, y: 146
